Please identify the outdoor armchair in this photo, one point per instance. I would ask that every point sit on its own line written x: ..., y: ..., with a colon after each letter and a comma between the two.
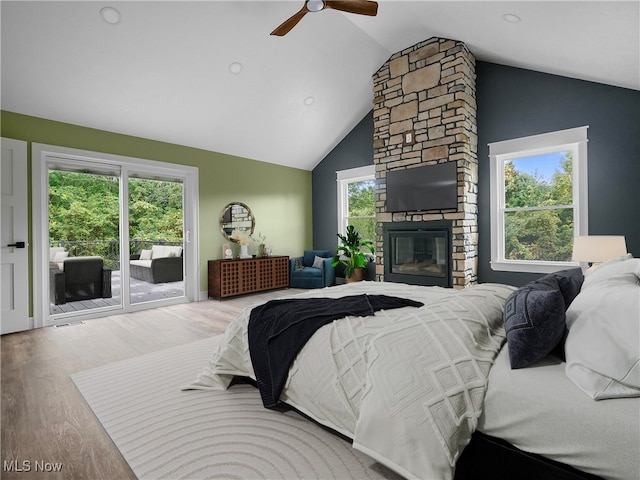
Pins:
x: 81, y: 278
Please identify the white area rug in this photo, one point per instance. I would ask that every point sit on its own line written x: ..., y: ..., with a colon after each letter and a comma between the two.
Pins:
x: 166, y: 433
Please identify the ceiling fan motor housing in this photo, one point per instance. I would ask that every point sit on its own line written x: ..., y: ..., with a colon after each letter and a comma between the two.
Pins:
x: 315, y: 5
x: 360, y: 7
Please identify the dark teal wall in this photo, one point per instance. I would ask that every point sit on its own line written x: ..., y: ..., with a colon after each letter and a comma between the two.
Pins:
x: 515, y: 103
x: 355, y: 150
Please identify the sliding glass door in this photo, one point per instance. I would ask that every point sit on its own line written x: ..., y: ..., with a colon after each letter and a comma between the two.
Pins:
x: 111, y: 234
x: 84, y: 237
x: 156, y: 226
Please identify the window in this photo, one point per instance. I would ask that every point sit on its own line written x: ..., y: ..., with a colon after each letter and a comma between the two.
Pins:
x: 356, y: 201
x: 538, y: 200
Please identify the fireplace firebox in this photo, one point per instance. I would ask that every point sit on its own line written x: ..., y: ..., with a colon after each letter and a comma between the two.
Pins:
x: 418, y: 253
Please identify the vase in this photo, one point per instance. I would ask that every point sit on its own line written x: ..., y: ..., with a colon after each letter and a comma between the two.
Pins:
x: 356, y: 276
x: 244, y: 251
x: 261, y: 250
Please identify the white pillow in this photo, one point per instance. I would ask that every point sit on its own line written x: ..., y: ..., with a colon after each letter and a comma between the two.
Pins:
x: 60, y: 256
x: 145, y: 255
x: 53, y: 251
x: 173, y: 251
x: 317, y: 262
x: 603, y: 344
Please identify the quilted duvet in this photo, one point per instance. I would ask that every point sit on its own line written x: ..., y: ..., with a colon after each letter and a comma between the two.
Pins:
x: 407, y: 385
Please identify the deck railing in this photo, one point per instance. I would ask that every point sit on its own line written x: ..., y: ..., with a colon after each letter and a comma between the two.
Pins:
x: 109, y: 250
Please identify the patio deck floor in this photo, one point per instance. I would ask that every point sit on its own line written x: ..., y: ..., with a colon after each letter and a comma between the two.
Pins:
x: 140, y: 291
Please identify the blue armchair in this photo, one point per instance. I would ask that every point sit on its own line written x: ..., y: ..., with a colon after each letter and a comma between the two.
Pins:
x: 302, y: 273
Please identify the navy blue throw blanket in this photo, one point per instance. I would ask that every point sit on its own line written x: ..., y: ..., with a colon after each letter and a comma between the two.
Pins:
x: 279, y: 329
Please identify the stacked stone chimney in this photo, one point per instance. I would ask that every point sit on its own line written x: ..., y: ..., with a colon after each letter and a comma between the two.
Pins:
x: 425, y: 113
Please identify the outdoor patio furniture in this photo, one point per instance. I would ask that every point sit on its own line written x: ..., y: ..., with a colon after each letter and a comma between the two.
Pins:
x: 81, y: 278
x: 163, y: 263
x: 57, y: 255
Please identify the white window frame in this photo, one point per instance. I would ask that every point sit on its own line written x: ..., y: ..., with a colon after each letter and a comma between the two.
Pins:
x: 574, y: 140
x: 343, y: 179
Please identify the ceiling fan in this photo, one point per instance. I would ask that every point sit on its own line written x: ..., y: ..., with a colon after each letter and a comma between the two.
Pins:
x: 360, y: 7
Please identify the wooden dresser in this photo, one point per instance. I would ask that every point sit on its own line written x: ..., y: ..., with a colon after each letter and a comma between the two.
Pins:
x: 237, y: 277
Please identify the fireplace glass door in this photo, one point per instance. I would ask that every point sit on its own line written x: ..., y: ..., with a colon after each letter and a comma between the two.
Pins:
x: 418, y: 256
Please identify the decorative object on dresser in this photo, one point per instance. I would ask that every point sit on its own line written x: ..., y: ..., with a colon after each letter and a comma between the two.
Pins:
x: 262, y: 249
x: 242, y: 238
x: 227, y: 278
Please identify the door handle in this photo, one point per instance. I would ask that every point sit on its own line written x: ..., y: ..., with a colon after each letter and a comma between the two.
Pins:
x: 17, y: 245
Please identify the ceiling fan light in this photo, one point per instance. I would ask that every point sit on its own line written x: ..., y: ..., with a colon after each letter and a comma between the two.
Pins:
x: 315, y: 5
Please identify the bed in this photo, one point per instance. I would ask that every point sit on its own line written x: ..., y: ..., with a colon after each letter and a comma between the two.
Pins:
x: 411, y: 386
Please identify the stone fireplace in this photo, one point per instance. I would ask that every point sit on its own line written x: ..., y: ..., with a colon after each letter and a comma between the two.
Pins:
x: 425, y: 113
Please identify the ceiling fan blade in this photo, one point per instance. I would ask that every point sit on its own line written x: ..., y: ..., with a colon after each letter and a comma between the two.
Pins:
x: 291, y: 22
x: 361, y: 7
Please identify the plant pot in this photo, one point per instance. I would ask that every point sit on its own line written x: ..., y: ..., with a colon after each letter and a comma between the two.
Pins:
x: 357, y: 276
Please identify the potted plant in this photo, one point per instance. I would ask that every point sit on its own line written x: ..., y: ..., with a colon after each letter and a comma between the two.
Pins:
x: 351, y: 254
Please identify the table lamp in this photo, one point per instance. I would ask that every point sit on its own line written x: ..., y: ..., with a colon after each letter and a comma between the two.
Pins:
x: 595, y: 249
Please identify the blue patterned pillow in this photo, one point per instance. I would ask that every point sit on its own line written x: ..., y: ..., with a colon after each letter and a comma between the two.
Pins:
x: 534, y: 316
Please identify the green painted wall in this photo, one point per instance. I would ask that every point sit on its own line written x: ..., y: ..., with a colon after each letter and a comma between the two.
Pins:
x: 280, y: 197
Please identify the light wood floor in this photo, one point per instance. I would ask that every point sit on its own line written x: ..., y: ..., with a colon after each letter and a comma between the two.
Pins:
x: 45, y: 419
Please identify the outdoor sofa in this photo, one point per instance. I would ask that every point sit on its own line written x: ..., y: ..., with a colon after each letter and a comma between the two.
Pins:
x: 160, y: 264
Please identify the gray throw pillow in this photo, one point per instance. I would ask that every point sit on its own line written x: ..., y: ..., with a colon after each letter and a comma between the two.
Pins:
x: 317, y: 262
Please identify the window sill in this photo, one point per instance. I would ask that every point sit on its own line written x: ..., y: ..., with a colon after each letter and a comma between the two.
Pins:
x: 530, y: 266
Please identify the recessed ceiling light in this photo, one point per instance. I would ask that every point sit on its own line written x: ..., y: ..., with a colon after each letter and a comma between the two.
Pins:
x: 110, y: 15
x: 309, y: 100
x: 511, y: 18
x: 235, y: 68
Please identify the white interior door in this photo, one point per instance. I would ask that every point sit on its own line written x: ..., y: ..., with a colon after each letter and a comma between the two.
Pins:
x: 14, y: 274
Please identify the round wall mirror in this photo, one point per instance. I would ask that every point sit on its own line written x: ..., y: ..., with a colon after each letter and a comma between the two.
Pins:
x: 236, y: 216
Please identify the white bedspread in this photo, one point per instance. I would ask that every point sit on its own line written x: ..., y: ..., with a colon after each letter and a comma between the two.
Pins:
x: 406, y: 384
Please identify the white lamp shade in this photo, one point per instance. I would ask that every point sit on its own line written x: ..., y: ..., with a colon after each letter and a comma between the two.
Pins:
x: 598, y: 248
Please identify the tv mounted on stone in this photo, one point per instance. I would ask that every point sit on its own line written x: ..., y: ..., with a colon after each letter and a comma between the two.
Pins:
x: 431, y: 187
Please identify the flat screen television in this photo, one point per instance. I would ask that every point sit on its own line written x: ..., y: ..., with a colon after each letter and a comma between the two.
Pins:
x: 431, y: 187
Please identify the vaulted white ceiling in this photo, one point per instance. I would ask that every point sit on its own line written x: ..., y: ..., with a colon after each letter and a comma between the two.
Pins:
x: 163, y: 71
